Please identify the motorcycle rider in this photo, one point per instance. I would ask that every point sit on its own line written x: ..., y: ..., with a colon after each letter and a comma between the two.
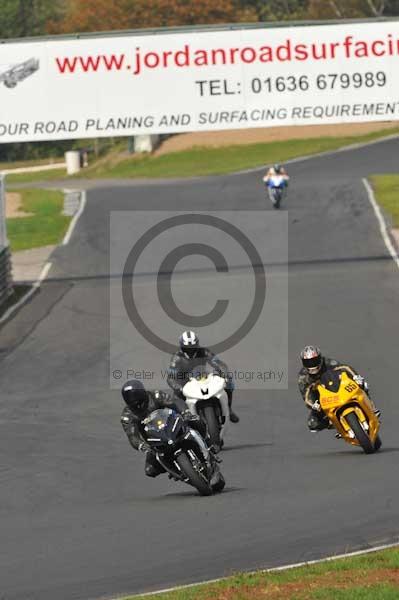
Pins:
x: 314, y: 364
x: 191, y: 355
x: 139, y: 404
x: 276, y: 169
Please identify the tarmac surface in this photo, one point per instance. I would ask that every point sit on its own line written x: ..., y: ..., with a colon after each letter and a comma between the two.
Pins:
x: 78, y: 518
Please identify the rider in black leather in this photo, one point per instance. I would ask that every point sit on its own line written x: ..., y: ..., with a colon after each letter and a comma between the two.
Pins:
x: 314, y: 366
x: 190, y: 356
x: 139, y: 404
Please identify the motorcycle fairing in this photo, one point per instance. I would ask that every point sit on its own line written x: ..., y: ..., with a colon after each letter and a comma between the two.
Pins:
x: 339, y: 396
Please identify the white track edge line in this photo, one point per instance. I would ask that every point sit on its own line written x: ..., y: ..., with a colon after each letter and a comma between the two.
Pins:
x: 381, y: 221
x: 271, y: 570
x: 35, y: 286
x: 43, y: 273
x: 46, y: 268
x: 75, y: 218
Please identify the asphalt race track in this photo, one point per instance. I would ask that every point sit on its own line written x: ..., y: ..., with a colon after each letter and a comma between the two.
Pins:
x: 78, y: 519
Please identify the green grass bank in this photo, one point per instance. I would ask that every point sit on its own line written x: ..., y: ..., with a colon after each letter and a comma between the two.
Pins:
x: 206, y: 161
x: 386, y: 188
x: 44, y: 224
x: 373, y: 576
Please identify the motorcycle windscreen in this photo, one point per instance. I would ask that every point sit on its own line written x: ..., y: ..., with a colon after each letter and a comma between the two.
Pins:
x: 202, y: 370
x: 163, y: 425
x: 331, y: 381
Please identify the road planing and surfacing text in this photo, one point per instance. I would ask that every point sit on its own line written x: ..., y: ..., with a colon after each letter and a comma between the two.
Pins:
x: 126, y: 124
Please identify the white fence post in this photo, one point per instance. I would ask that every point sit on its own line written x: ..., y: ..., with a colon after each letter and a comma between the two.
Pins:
x: 5, y: 256
x: 146, y: 143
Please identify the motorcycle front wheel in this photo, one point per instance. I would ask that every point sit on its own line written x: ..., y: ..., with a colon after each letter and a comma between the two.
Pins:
x: 275, y: 198
x: 360, y: 434
x: 193, y: 477
x: 213, y: 427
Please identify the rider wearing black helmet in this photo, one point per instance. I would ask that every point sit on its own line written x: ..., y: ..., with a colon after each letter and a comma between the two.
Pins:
x: 191, y: 355
x: 139, y: 404
x: 314, y: 364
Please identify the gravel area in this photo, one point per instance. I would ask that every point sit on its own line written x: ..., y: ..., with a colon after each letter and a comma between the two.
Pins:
x: 13, y: 206
x: 267, y: 134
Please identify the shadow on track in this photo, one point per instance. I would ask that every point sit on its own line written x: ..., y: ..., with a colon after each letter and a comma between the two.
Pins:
x: 246, y: 446
x: 349, y: 452
x: 190, y: 494
x: 292, y: 263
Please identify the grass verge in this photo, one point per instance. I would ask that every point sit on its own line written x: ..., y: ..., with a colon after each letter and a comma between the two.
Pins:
x: 372, y: 576
x: 46, y: 224
x: 217, y: 161
x: 35, y: 162
x: 386, y: 188
x: 50, y: 175
x: 207, y: 161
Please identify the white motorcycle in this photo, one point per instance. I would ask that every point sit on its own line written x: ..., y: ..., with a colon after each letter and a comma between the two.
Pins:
x: 206, y: 397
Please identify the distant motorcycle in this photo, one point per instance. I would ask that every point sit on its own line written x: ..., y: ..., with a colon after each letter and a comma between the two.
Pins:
x: 182, y: 452
x: 206, y: 397
x: 276, y: 186
x: 349, y: 410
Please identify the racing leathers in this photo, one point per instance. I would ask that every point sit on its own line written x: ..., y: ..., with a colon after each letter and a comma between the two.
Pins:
x: 133, y: 426
x: 272, y: 173
x: 181, y: 365
x: 308, y: 383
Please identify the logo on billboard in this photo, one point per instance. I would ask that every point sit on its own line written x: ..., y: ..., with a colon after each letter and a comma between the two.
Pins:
x: 17, y: 73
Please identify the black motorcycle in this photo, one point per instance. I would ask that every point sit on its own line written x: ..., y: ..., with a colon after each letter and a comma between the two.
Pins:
x: 182, y: 452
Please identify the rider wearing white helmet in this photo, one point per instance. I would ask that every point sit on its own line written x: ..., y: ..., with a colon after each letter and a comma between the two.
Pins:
x: 191, y: 355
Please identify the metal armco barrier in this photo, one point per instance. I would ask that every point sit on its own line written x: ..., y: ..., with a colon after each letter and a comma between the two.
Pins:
x: 5, y: 275
x: 5, y: 255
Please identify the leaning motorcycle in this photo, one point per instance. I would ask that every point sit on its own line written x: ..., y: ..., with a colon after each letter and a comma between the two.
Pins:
x: 349, y: 410
x: 206, y: 397
x: 276, y: 186
x: 182, y: 452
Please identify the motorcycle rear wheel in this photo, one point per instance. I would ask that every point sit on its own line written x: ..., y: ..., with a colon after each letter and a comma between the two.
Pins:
x: 194, y: 478
x: 360, y: 434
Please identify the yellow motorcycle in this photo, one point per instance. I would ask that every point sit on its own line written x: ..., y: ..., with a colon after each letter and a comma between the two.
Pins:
x: 349, y: 410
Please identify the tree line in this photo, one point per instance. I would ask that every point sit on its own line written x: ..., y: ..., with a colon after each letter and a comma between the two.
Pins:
x: 21, y: 18
x: 25, y: 18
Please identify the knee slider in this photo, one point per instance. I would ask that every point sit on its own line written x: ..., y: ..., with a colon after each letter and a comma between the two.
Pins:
x: 313, y: 423
x: 150, y: 471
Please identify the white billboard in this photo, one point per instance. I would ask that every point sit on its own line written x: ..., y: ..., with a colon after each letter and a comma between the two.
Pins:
x: 199, y: 80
